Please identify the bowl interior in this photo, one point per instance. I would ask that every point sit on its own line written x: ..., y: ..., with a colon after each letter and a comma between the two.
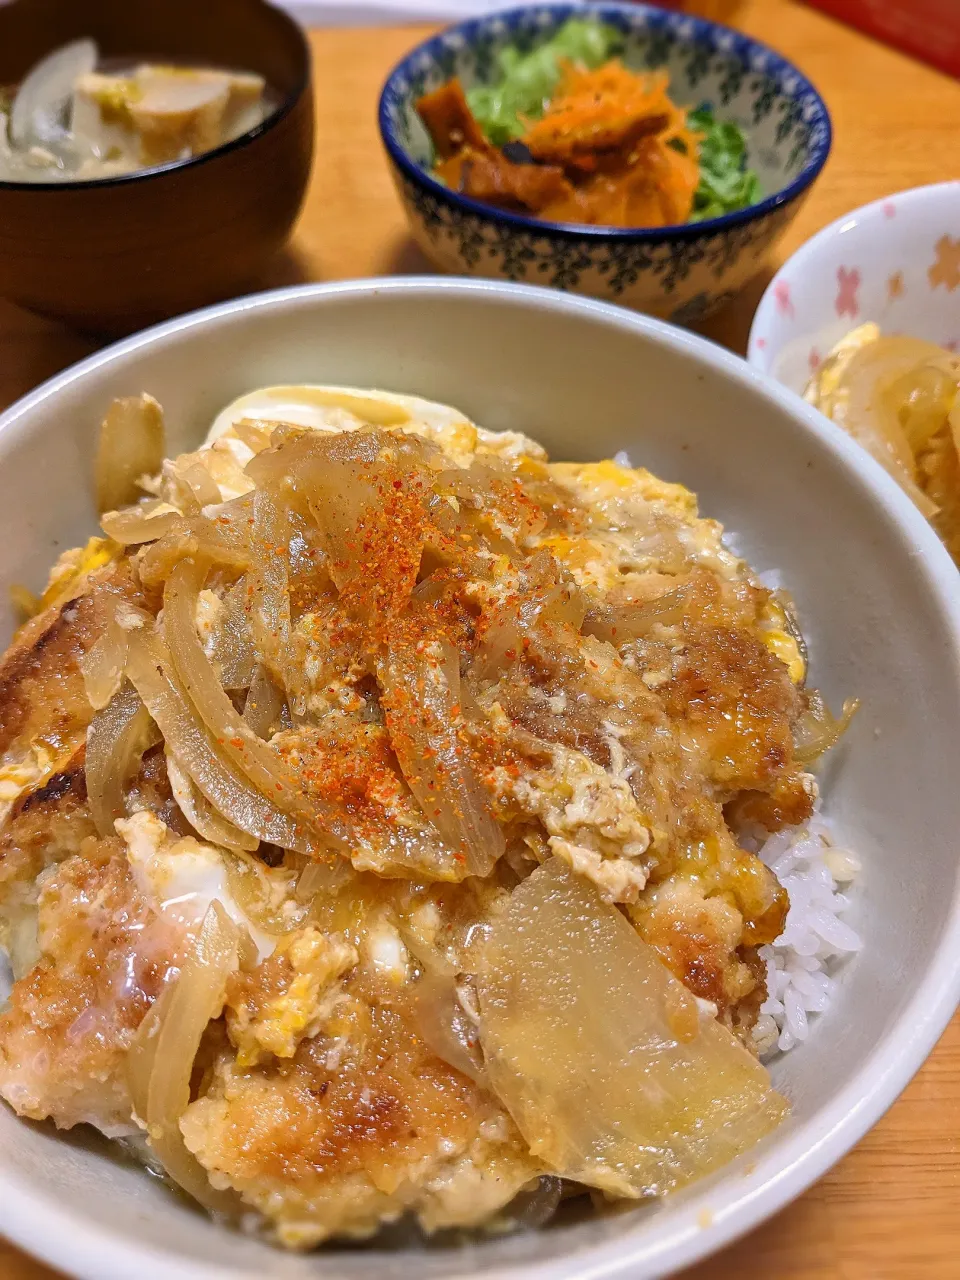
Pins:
x: 709, y: 65
x: 895, y: 262
x: 873, y: 588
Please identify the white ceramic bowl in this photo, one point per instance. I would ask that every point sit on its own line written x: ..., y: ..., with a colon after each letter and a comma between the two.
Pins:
x: 878, y: 597
x: 895, y: 262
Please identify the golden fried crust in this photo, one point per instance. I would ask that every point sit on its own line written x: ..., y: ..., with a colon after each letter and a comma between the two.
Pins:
x: 46, y: 825
x: 363, y: 1123
x: 70, y: 1021
x: 42, y: 695
x: 51, y: 823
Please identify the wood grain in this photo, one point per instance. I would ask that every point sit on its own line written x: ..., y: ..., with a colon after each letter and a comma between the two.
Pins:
x: 889, y: 1211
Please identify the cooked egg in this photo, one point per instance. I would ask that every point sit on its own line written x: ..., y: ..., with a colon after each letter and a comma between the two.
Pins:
x: 184, y: 876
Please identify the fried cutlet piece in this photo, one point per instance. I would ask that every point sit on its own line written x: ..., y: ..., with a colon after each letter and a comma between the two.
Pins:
x: 46, y: 825
x: 42, y: 695
x: 44, y: 717
x: 104, y: 956
x: 363, y: 1124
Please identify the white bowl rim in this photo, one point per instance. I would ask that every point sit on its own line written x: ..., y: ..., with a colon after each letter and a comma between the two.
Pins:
x: 810, y: 248
x: 65, y: 1239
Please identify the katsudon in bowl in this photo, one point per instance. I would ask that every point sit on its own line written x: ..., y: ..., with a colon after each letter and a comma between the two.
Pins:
x: 411, y: 838
x: 364, y: 764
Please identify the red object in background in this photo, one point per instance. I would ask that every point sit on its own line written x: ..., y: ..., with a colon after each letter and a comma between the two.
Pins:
x: 929, y: 29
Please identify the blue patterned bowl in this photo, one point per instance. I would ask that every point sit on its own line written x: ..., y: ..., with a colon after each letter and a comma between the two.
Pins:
x: 681, y: 272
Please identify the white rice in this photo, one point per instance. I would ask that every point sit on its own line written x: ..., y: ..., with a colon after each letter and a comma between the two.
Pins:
x: 802, y: 963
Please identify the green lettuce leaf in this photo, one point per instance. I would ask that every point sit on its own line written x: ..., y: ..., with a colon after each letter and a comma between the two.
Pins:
x: 726, y: 184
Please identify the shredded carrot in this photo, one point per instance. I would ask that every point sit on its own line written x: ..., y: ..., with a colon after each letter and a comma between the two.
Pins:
x: 611, y: 149
x: 630, y: 142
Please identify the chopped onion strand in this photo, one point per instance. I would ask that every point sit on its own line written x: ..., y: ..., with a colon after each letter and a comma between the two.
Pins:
x: 163, y: 1052
x: 116, y: 740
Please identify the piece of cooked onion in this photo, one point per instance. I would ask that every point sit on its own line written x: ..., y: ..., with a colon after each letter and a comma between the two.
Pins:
x: 618, y: 624
x: 201, y: 814
x: 251, y: 889
x: 103, y: 664
x: 547, y: 611
x: 817, y: 729
x: 161, y: 1058
x: 116, y: 740
x: 420, y: 695
x: 197, y: 537
x: 146, y: 522
x: 245, y: 753
x: 534, y: 1206
x: 444, y: 1027
x: 232, y: 648
x: 601, y: 1056
x: 322, y: 879
x: 228, y: 790
x: 42, y: 100
x: 264, y: 704
x: 131, y: 446
x: 270, y: 612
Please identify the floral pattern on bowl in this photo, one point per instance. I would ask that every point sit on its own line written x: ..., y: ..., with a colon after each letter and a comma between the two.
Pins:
x: 895, y: 262
x: 682, y: 272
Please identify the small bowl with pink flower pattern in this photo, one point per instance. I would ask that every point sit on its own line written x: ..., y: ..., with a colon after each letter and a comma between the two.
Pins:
x: 895, y: 262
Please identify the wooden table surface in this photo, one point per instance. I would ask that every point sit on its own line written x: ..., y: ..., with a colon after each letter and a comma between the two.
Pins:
x: 891, y: 1209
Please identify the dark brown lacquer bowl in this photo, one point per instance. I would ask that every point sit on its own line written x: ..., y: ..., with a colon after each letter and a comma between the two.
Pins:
x: 114, y: 255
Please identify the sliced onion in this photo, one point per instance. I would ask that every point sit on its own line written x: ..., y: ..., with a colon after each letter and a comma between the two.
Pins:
x: 131, y: 446
x: 446, y: 1029
x: 37, y: 117
x: 197, y: 537
x: 871, y: 401
x: 231, y: 794
x: 346, y: 480
x: 103, y: 664
x: 923, y: 398
x: 618, y: 624
x: 264, y: 704
x: 205, y: 490
x: 270, y: 614
x: 146, y: 522
x: 601, y: 1056
x: 162, y: 1055
x: 420, y: 684
x: 244, y: 752
x: 116, y: 740
x: 232, y: 648
x: 323, y: 879
x: 544, y: 609
x: 200, y: 813
x: 534, y: 1206
x: 817, y: 730
x: 253, y: 433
